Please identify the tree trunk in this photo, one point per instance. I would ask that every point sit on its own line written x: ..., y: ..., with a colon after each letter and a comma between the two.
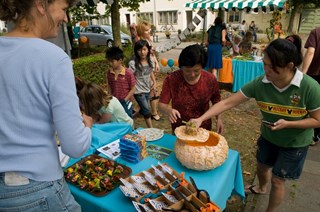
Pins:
x: 297, y: 8
x: 115, y: 22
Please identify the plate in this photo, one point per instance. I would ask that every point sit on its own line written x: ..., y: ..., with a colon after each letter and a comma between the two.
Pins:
x: 96, y: 175
x: 151, y: 134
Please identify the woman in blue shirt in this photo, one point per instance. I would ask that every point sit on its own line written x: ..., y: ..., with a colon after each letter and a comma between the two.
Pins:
x: 38, y: 99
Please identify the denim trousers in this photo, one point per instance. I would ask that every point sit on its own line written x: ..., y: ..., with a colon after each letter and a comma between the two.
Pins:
x: 53, y: 196
x: 143, y: 101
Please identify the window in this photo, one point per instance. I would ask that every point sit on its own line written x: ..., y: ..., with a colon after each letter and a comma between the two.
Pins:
x: 168, y: 17
x: 234, y: 16
x: 145, y: 16
x: 96, y: 29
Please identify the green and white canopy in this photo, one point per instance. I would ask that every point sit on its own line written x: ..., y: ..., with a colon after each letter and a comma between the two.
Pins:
x: 228, y: 4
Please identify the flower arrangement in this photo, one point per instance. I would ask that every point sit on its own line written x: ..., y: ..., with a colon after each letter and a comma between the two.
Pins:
x: 96, y: 174
x: 275, y: 28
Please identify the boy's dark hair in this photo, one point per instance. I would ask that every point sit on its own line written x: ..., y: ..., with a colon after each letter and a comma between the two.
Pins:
x: 193, y: 55
x: 114, y: 53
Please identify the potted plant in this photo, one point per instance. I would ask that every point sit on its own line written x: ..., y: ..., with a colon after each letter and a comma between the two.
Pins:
x: 167, y: 33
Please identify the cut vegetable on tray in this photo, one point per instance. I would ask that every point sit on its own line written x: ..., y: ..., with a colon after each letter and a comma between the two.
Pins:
x: 96, y: 175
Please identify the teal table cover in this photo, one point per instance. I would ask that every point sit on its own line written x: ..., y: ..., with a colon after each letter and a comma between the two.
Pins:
x: 221, y: 182
x: 244, y: 72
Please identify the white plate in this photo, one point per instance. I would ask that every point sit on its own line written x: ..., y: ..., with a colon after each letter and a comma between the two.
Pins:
x: 151, y: 134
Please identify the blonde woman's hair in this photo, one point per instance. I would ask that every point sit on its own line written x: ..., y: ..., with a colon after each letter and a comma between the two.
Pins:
x: 93, y: 97
x: 141, y: 27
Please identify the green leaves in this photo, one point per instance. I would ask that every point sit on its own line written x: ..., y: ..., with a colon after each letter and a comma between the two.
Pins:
x: 91, y: 68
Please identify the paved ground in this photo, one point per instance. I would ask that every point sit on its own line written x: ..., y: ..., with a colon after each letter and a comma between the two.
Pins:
x: 301, y: 195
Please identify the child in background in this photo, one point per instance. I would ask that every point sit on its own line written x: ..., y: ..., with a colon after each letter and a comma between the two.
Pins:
x: 121, y: 81
x: 236, y: 43
x: 245, y: 47
x: 144, y: 33
x: 143, y: 67
x: 101, y: 106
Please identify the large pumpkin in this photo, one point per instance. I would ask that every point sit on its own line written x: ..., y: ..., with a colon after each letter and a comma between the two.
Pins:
x: 203, y: 151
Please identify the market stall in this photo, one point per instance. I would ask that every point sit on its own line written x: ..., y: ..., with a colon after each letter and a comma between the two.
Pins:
x: 220, y: 182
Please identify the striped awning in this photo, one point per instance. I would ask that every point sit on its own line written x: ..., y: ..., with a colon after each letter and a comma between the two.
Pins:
x: 228, y: 4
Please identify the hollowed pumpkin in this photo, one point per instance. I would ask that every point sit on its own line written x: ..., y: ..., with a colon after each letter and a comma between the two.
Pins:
x: 198, y: 154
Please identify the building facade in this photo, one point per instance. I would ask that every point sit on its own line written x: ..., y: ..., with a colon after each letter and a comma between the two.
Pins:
x: 173, y: 15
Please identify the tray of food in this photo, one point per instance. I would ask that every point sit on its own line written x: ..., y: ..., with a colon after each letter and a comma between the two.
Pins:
x: 96, y: 175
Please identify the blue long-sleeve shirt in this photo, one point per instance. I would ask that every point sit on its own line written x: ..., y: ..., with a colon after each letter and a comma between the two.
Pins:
x: 37, y: 99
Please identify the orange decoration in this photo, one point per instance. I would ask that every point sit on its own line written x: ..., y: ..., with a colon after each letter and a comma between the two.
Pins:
x: 83, y: 23
x: 83, y: 39
x: 164, y: 61
x: 176, y: 62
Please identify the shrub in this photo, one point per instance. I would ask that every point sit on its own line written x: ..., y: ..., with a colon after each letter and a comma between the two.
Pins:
x: 91, y: 68
x: 196, y: 37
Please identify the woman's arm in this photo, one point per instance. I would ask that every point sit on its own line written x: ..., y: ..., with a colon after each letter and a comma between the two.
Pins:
x: 311, y: 122
x: 224, y: 33
x: 156, y: 63
x: 153, y: 79
x: 206, y: 41
x: 220, y: 107
x: 173, y: 114
x: 308, y: 57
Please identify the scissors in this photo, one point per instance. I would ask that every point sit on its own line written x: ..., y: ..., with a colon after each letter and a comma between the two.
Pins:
x: 200, y: 190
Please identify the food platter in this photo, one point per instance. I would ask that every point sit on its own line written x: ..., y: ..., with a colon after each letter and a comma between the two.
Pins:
x: 151, y: 134
x: 96, y: 175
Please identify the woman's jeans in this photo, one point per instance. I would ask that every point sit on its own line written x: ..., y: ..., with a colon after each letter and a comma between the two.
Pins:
x: 53, y: 196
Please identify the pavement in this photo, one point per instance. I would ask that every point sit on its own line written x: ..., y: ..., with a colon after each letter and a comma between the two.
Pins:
x: 302, y: 194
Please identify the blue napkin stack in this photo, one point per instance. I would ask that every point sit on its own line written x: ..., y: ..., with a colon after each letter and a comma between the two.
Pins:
x: 133, y: 148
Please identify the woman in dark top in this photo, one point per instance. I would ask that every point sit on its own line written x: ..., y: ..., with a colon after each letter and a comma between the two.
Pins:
x: 216, y: 38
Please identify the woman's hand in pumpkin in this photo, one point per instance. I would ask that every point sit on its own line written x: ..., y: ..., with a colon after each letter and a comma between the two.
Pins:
x: 174, y: 115
x: 197, y: 122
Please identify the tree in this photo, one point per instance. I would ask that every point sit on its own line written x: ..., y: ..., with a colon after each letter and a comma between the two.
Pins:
x: 114, y: 11
x: 90, y: 12
x: 296, y: 8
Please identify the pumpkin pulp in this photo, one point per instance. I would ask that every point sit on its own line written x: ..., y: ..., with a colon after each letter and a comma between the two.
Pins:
x: 213, y: 140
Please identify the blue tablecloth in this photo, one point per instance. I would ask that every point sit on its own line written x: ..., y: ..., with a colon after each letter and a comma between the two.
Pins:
x: 103, y: 134
x: 221, y: 182
x: 244, y: 72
